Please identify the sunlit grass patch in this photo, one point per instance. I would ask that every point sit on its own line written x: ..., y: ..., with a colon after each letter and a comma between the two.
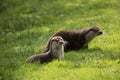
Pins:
x: 64, y: 70
x: 26, y: 25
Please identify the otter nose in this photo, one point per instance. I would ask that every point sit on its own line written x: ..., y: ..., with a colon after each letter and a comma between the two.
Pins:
x: 61, y: 42
x: 100, y: 32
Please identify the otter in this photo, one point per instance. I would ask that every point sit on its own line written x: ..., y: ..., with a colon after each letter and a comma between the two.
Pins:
x: 56, y: 51
x: 75, y: 40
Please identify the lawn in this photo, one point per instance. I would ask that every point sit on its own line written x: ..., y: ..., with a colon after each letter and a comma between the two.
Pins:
x: 26, y: 25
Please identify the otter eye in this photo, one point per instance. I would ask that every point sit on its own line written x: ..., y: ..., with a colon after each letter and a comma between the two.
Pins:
x: 59, y: 39
x: 95, y: 30
x: 55, y: 40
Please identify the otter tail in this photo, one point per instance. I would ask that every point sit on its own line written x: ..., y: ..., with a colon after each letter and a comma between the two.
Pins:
x: 33, y: 58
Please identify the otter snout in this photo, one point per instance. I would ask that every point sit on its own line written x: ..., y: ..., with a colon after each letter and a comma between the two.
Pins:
x: 100, y: 32
x: 61, y: 42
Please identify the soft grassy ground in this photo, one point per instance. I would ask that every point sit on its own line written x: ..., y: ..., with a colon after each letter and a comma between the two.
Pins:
x: 26, y: 25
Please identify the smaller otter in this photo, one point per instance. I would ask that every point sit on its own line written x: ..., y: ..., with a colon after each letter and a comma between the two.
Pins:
x: 56, y: 51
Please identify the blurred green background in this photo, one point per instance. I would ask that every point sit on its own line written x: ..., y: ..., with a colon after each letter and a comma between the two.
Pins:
x: 26, y: 25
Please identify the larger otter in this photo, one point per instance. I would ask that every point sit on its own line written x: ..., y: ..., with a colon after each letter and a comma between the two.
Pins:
x: 75, y: 40
x: 56, y: 51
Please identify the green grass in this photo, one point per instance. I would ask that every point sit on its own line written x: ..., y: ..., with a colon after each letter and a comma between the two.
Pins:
x: 26, y: 25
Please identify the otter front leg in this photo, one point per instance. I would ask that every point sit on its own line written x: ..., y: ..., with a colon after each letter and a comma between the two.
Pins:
x: 85, y: 46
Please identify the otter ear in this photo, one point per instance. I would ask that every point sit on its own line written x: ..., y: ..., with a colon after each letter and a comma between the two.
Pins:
x: 90, y: 29
x: 52, y: 39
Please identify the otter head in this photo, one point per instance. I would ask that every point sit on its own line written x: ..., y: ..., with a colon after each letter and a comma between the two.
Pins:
x: 92, y: 32
x: 57, y: 42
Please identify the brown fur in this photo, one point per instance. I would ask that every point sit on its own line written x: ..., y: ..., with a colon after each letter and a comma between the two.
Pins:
x: 75, y: 40
x: 56, y: 51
